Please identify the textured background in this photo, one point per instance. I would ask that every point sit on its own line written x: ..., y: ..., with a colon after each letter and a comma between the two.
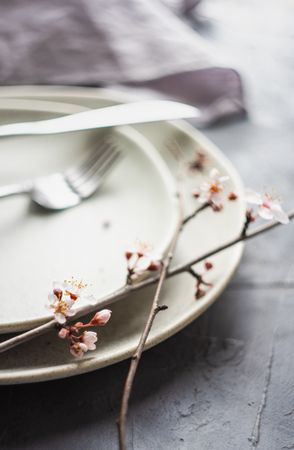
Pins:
x: 226, y: 381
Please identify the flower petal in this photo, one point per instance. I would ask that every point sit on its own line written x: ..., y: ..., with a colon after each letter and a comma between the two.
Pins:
x: 253, y: 197
x: 60, y: 318
x: 280, y: 215
x: 223, y: 179
x: 265, y: 213
x: 214, y: 174
x: 143, y: 263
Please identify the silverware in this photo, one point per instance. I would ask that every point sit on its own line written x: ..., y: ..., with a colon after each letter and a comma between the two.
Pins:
x: 64, y: 190
x: 125, y: 114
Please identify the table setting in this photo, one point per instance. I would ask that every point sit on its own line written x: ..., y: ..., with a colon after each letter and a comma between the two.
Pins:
x: 15, y: 319
x: 103, y: 166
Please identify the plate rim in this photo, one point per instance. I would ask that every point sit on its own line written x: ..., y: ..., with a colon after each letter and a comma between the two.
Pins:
x: 71, y: 369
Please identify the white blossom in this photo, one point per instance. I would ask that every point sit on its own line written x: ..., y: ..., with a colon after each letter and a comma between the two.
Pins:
x: 211, y: 189
x: 87, y: 341
x: 269, y: 207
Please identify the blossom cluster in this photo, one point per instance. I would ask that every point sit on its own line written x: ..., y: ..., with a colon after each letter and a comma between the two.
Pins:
x: 201, y: 284
x: 211, y: 192
x: 140, y: 260
x: 83, y: 341
x: 62, y: 299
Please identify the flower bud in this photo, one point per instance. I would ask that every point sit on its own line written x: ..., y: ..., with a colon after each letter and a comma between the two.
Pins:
x: 208, y: 265
x: 232, y: 196
x: 63, y: 333
x: 101, y: 317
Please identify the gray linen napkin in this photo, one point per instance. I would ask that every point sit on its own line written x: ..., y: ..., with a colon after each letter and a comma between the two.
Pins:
x: 138, y: 43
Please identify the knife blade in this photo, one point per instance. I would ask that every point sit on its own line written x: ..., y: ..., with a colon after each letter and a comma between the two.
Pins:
x: 122, y: 114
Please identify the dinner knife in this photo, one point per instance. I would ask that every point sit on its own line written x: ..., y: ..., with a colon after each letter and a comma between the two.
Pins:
x: 122, y: 114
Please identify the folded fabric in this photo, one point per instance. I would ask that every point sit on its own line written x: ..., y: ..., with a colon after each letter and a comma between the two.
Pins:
x: 138, y: 43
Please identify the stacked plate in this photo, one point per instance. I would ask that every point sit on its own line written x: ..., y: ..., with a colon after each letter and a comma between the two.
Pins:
x: 138, y: 201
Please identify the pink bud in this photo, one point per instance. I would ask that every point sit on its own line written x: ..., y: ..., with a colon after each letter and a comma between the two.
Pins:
x: 250, y: 217
x: 208, y: 265
x: 154, y: 265
x: 217, y: 207
x: 101, y: 317
x: 128, y: 254
x: 232, y: 196
x: 200, y: 293
x: 63, y: 333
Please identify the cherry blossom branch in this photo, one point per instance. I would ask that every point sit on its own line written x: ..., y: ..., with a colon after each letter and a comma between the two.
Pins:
x: 155, y: 309
x: 126, y: 290
x: 249, y: 235
x: 194, y: 214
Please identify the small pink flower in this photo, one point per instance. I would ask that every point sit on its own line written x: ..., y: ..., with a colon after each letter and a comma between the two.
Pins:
x: 269, y: 207
x: 64, y: 295
x: 101, y: 318
x: 62, y: 308
x: 199, y: 161
x: 78, y: 349
x: 89, y: 338
x: 140, y: 260
x: 84, y: 343
x: 211, y: 189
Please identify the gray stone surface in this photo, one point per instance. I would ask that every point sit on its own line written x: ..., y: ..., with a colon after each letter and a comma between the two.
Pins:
x: 226, y: 381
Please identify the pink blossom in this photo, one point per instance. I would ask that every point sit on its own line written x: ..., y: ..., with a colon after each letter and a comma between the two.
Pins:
x: 78, y: 349
x: 62, y: 308
x: 269, y: 207
x: 89, y: 338
x: 211, y: 189
x: 85, y: 343
x: 63, y: 297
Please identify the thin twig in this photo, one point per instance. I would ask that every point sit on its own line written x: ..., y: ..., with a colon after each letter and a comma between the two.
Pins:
x: 126, y: 290
x: 154, y: 310
x: 194, y: 214
x: 253, y: 233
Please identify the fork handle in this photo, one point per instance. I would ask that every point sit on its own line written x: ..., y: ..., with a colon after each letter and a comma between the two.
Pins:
x: 14, y: 189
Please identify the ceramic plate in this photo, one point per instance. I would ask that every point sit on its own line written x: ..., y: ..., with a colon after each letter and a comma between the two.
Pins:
x: 49, y: 357
x: 87, y: 241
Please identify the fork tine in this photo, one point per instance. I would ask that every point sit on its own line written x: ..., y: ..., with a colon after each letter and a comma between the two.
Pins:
x: 97, y: 176
x: 95, y: 165
x: 89, y: 159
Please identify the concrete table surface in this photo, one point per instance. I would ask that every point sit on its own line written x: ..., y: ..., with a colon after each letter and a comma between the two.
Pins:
x: 226, y: 381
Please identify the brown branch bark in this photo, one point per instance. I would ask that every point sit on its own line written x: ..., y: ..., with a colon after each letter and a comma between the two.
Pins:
x: 154, y: 310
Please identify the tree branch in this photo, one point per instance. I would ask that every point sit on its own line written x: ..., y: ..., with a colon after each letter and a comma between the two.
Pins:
x: 126, y: 290
x: 154, y: 310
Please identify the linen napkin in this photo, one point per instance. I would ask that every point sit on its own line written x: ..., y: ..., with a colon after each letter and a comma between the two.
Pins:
x: 133, y: 43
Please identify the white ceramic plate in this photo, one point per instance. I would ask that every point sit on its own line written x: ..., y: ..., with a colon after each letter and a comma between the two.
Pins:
x: 85, y: 242
x: 48, y: 358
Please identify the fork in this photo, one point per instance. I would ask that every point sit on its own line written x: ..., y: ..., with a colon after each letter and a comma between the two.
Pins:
x: 64, y: 190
